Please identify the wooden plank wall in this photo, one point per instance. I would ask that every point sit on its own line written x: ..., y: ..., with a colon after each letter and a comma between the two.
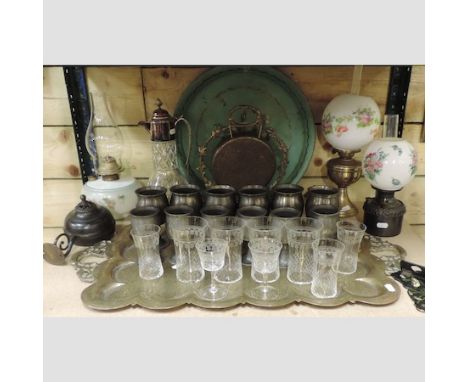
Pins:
x: 134, y: 90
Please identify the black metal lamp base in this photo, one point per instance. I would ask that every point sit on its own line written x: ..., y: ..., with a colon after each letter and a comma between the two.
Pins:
x: 383, y: 214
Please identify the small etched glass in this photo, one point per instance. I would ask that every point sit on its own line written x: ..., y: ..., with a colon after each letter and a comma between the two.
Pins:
x: 146, y: 240
x: 301, y: 232
x: 187, y: 232
x: 264, y: 227
x: 265, y: 266
x: 231, y: 229
x: 173, y: 214
x: 328, y: 216
x: 325, y: 279
x: 283, y: 216
x: 212, y: 254
x: 247, y: 214
x: 350, y: 234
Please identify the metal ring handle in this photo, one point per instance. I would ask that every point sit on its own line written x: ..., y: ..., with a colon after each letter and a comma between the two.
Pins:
x: 233, y: 123
x: 61, y: 245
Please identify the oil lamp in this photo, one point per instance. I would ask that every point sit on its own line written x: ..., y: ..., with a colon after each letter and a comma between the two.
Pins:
x: 104, y: 142
x: 389, y: 164
x: 349, y: 122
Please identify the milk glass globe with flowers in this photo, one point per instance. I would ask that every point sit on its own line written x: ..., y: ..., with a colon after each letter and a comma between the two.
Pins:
x: 389, y: 164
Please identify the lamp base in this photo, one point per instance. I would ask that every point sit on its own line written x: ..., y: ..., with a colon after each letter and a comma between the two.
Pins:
x: 383, y: 214
x: 344, y: 171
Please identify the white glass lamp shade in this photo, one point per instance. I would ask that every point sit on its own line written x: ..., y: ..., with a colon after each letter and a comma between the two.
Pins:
x: 350, y: 122
x: 389, y: 163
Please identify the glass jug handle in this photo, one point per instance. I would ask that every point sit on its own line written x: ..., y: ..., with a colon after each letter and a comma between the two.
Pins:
x: 190, y: 139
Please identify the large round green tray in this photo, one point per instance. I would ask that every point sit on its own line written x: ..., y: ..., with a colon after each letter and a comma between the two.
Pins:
x: 209, y: 98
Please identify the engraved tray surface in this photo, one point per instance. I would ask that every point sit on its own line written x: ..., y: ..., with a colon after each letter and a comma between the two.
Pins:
x: 118, y: 285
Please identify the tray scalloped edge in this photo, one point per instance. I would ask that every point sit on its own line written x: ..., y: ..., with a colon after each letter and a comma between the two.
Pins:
x: 108, y: 292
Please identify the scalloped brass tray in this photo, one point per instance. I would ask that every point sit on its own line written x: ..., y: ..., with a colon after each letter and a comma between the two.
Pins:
x: 118, y: 285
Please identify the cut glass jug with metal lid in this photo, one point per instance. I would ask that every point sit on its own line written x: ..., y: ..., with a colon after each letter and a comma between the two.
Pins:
x: 162, y: 128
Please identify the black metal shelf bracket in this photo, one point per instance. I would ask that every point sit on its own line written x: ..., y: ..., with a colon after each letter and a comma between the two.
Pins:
x: 400, y: 77
x: 75, y: 79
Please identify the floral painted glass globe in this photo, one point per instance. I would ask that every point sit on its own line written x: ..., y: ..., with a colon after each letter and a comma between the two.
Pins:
x: 389, y: 163
x: 350, y: 121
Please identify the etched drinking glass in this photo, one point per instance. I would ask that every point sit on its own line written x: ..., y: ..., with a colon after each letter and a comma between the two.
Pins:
x: 247, y: 214
x: 264, y: 226
x: 325, y: 279
x: 173, y: 214
x: 350, y: 234
x: 187, y: 232
x: 231, y: 229
x: 301, y: 232
x: 146, y: 240
x: 328, y: 216
x: 265, y: 266
x: 212, y: 254
x: 283, y: 216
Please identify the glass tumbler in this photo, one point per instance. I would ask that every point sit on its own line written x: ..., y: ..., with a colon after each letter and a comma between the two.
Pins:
x: 212, y: 253
x: 211, y: 212
x: 248, y: 213
x: 187, y: 232
x: 350, y: 234
x: 325, y: 279
x: 283, y: 215
x: 265, y: 266
x: 301, y: 234
x: 146, y: 240
x: 231, y: 229
x: 328, y: 216
x: 174, y: 214
x: 263, y: 226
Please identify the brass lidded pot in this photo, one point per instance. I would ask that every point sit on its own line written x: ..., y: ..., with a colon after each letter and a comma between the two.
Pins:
x: 86, y: 225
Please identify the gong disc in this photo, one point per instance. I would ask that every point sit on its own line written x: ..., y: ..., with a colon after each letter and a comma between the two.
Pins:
x: 242, y: 161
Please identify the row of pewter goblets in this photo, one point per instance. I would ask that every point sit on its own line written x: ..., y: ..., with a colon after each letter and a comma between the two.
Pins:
x: 288, y: 195
x: 321, y: 199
